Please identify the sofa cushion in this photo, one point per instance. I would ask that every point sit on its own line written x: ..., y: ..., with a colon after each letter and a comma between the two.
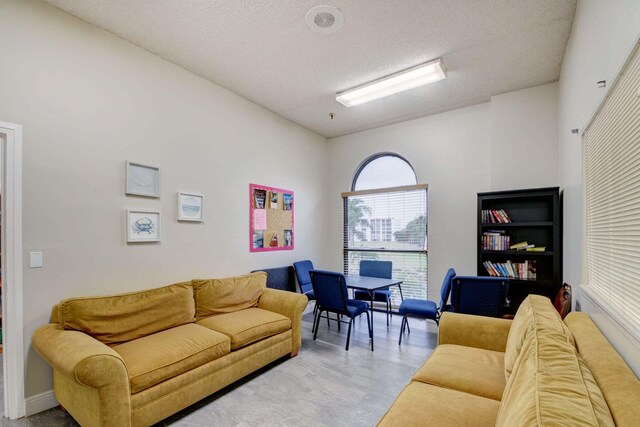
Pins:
x: 472, y: 370
x: 216, y: 296
x: 421, y: 404
x: 535, y: 310
x: 247, y: 326
x: 551, y: 385
x: 120, y: 318
x: 614, y: 377
x: 166, y: 354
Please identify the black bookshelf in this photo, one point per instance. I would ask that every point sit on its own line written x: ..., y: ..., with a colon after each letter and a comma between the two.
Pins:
x: 535, y: 217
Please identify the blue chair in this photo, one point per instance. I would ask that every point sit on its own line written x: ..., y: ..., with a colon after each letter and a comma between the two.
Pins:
x: 330, y: 289
x: 383, y: 270
x: 482, y: 296
x: 425, y: 309
x: 302, y: 269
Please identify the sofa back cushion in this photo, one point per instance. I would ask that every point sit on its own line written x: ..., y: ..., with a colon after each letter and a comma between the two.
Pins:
x: 617, y: 381
x: 551, y: 385
x: 536, y: 311
x: 217, y: 296
x: 125, y: 317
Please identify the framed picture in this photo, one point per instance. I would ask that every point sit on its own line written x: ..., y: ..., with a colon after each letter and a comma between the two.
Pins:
x: 143, y: 226
x: 190, y: 207
x: 142, y: 180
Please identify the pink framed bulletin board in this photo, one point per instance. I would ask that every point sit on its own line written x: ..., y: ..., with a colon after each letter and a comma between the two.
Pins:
x: 270, y: 218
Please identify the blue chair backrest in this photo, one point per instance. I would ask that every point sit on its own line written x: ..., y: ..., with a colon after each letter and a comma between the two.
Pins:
x: 482, y: 296
x: 445, y: 290
x: 302, y: 269
x: 330, y: 290
x: 371, y: 268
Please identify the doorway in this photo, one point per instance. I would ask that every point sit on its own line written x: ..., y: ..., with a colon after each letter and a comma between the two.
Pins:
x: 11, y: 269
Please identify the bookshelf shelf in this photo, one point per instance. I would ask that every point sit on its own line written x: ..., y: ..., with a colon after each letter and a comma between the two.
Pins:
x: 491, y: 225
x: 521, y: 253
x: 535, y: 218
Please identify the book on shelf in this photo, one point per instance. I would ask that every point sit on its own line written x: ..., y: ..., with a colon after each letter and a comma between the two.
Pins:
x: 495, y: 240
x: 520, y: 245
x: 496, y: 216
x: 513, y: 270
x: 536, y: 249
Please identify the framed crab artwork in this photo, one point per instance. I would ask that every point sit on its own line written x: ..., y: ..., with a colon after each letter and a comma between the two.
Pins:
x: 143, y: 226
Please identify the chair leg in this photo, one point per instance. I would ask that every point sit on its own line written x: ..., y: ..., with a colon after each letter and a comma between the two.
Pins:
x: 317, y: 323
x: 338, y: 318
x: 315, y: 318
x: 388, y: 312
x: 401, y: 329
x: 349, y: 333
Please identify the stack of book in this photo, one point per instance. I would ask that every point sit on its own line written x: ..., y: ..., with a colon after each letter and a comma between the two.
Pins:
x: 525, y: 246
x: 495, y: 240
x: 514, y: 270
x: 495, y: 216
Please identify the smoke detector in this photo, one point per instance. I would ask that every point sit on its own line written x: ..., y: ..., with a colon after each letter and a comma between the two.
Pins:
x: 324, y: 19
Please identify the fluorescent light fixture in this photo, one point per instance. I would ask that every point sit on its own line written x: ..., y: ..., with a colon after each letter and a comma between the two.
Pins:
x: 404, y: 80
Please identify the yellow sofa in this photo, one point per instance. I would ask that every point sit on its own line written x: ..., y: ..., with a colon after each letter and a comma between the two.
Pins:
x: 134, y: 359
x: 534, y: 370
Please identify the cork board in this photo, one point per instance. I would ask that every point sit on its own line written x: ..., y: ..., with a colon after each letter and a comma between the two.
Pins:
x: 270, y: 218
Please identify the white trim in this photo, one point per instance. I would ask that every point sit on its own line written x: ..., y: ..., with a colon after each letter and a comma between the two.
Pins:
x: 41, y: 402
x: 11, y: 247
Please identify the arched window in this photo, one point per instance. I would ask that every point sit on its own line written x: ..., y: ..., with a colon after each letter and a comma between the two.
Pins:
x: 385, y: 218
x: 383, y: 170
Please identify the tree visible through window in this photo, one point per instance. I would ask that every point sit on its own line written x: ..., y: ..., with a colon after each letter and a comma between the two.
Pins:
x: 385, y: 218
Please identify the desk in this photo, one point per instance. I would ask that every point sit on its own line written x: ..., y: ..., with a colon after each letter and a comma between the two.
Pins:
x: 370, y: 284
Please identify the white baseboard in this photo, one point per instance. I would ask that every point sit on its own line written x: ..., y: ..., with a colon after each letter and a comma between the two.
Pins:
x: 40, y: 402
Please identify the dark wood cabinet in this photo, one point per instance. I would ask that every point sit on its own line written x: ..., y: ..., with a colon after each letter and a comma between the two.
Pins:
x: 535, y: 217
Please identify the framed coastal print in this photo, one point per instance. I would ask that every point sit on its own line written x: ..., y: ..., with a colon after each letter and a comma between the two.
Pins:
x: 190, y: 207
x: 143, y: 226
x: 142, y: 180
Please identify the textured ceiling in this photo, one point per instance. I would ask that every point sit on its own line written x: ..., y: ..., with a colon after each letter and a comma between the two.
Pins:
x: 263, y: 51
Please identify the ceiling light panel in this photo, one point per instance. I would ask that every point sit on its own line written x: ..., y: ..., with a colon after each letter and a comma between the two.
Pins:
x: 399, y: 82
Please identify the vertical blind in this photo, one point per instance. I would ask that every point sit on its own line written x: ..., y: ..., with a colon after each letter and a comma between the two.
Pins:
x: 389, y: 224
x: 612, y: 186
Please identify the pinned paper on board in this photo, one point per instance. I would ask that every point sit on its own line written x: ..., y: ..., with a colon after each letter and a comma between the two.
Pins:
x: 259, y: 219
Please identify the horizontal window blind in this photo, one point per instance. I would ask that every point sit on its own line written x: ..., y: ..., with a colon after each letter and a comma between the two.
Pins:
x: 612, y: 186
x: 389, y: 224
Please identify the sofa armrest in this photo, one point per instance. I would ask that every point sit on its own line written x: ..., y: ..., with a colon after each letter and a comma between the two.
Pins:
x: 468, y: 330
x: 87, y: 362
x: 288, y: 304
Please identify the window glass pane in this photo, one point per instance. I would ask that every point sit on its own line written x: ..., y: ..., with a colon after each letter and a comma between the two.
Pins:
x: 384, y: 172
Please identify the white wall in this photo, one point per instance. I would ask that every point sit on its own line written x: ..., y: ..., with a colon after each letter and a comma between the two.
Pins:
x: 88, y: 101
x: 602, y: 37
x: 524, y: 137
x: 458, y: 153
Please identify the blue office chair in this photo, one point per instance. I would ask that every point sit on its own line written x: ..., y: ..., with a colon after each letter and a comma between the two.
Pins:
x: 482, y: 296
x: 425, y: 309
x: 330, y: 290
x: 383, y: 270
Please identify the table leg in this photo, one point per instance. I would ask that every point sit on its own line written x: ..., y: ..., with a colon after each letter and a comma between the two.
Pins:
x: 371, y: 308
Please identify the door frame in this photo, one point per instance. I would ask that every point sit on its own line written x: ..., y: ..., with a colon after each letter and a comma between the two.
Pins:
x: 11, y: 249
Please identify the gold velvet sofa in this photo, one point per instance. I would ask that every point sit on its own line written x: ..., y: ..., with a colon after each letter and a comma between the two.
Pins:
x: 534, y: 370
x: 134, y: 359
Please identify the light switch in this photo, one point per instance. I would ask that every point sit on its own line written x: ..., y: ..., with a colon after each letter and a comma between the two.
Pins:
x: 35, y: 259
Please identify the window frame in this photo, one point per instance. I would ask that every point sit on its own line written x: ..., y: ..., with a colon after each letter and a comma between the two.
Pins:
x: 347, y: 250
